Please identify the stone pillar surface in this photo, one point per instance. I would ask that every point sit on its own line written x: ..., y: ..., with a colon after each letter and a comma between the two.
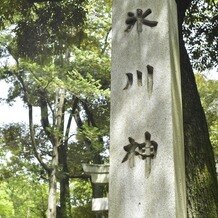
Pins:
x: 146, y: 96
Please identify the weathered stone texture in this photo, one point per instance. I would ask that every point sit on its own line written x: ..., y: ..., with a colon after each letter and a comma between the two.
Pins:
x: 138, y: 108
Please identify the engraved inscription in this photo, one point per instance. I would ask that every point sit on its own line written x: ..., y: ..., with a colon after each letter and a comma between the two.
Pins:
x: 139, y: 78
x: 146, y: 151
x: 139, y: 18
x: 129, y: 80
x: 130, y: 149
x: 150, y: 81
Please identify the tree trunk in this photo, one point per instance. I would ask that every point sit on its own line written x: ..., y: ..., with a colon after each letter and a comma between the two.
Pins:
x: 65, y: 207
x: 53, y: 185
x: 201, y: 181
x: 65, y: 198
x: 57, y: 135
x: 64, y: 184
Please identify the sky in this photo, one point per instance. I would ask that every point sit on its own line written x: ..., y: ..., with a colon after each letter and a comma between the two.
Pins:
x: 212, y: 74
x: 15, y: 113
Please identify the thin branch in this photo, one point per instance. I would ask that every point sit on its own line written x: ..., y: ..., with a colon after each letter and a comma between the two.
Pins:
x: 89, y: 113
x: 44, y: 115
x: 78, y: 120
x: 31, y: 128
x: 70, y: 136
x: 52, y: 111
x: 73, y: 108
x: 106, y: 41
x: 32, y: 136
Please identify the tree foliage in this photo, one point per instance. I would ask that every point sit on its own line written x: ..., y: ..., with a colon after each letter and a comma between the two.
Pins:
x: 6, y: 205
x: 60, y: 57
x: 201, y: 33
x: 208, y: 90
x: 24, y: 191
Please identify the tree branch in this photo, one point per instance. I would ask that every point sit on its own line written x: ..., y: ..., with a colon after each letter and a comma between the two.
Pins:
x: 106, y: 41
x: 31, y: 128
x: 89, y: 113
x: 78, y: 120
x: 32, y: 136
x: 44, y: 115
x: 73, y: 108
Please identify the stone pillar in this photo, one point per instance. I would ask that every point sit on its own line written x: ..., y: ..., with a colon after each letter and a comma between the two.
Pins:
x: 147, y: 176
